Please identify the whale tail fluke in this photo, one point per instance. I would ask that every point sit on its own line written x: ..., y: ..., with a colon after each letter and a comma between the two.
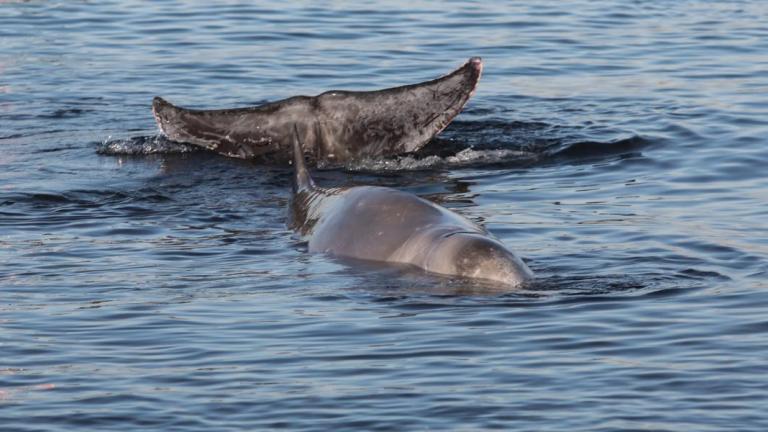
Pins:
x: 336, y: 126
x: 301, y: 179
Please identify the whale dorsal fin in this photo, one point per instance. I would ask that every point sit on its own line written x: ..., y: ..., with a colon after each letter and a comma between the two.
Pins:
x: 301, y: 179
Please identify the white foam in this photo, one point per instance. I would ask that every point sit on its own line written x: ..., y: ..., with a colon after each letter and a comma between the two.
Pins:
x: 143, y: 145
x: 465, y: 157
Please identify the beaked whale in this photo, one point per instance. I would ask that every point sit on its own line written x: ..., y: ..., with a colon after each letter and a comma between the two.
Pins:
x: 388, y: 225
x: 336, y: 126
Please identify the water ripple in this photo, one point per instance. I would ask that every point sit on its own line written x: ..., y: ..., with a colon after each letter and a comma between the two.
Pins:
x: 619, y: 148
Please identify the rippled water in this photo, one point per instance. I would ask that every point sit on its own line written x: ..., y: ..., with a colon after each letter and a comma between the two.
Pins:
x: 619, y: 147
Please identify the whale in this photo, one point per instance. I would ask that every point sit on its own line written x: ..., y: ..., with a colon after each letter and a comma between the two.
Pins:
x: 336, y: 127
x: 388, y: 225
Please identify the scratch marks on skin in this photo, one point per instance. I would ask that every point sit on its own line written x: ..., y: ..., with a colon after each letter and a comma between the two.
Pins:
x: 435, y: 91
x: 431, y: 119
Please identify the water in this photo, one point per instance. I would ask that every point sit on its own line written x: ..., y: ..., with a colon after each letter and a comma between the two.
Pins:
x: 619, y: 147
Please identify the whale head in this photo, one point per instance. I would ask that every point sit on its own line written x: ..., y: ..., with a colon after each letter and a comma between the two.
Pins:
x: 477, y: 256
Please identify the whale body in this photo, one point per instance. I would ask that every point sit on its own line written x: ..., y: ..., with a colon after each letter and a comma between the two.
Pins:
x: 388, y: 225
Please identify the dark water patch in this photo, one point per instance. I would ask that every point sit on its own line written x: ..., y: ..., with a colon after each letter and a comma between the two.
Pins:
x: 87, y: 198
x: 65, y: 113
x: 589, y: 286
x: 703, y: 274
x: 37, y: 132
x: 591, y: 151
x: 56, y: 149
x: 518, y: 135
x: 11, y: 136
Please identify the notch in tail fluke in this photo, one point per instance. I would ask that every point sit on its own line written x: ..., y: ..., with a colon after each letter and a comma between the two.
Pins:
x: 301, y: 178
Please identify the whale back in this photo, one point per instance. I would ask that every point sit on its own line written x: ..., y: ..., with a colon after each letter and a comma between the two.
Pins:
x: 388, y: 225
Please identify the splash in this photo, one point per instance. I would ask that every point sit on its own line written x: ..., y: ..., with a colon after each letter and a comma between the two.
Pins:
x: 143, y: 145
x: 464, y: 158
x: 465, y: 144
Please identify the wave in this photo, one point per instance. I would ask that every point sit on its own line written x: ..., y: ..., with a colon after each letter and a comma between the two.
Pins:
x: 84, y: 199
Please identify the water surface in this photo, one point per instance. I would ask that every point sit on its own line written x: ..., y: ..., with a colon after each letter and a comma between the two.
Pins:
x: 619, y: 147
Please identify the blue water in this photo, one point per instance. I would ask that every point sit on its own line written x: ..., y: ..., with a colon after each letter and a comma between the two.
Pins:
x: 619, y: 147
